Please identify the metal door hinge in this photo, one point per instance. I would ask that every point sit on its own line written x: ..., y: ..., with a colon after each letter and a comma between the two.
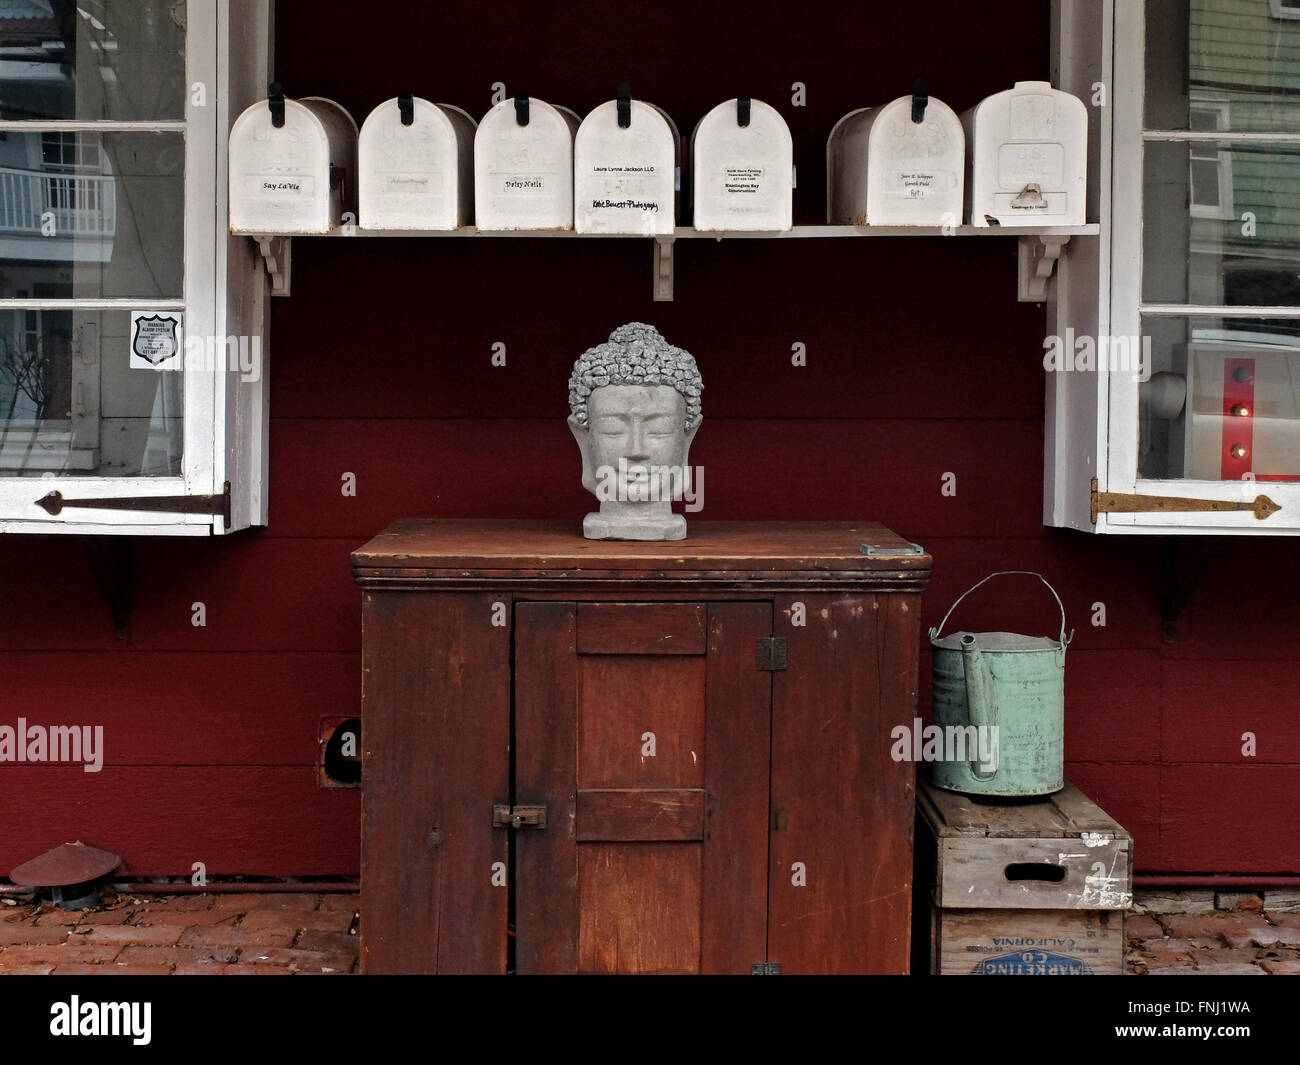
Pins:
x: 1118, y: 502
x: 216, y: 505
x: 771, y: 652
x: 876, y: 551
x: 765, y: 968
x: 522, y: 816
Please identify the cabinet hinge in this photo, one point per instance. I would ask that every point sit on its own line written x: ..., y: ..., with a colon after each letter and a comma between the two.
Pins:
x: 765, y: 968
x: 217, y: 505
x: 1117, y: 502
x: 771, y: 652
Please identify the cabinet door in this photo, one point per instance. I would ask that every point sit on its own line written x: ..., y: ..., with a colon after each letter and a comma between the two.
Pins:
x: 645, y: 730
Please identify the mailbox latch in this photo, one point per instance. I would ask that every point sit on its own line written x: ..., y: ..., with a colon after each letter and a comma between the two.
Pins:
x: 527, y: 815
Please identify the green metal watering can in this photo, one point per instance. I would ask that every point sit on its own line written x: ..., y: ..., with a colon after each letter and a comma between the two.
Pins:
x: 999, y: 708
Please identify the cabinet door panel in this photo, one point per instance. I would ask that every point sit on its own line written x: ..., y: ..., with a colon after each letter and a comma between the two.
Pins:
x: 842, y: 851
x: 436, y: 749
x: 641, y: 721
x: 654, y: 835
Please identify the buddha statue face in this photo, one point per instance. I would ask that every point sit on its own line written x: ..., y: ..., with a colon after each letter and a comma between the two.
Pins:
x: 635, y: 405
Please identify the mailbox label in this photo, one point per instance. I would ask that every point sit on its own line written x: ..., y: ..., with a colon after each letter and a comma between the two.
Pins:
x: 521, y: 184
x: 742, y: 179
x: 279, y: 186
x: 915, y: 184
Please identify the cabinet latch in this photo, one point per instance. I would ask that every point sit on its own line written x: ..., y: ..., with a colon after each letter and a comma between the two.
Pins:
x: 1118, y: 502
x: 771, y: 652
x: 523, y: 816
x: 765, y: 968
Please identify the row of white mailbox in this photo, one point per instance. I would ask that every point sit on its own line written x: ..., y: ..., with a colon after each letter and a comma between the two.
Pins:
x: 534, y: 166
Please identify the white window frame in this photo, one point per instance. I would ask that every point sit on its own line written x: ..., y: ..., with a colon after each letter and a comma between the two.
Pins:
x: 1092, y: 417
x: 1223, y: 159
x: 228, y: 54
x: 1279, y: 10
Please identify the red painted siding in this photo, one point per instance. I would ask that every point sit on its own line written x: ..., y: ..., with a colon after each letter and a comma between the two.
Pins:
x: 920, y: 362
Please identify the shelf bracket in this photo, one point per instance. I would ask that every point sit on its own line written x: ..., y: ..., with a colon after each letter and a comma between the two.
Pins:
x: 1038, y: 256
x: 664, y: 269
x: 277, y: 254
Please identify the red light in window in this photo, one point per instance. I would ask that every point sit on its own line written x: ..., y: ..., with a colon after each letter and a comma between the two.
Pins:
x: 1240, y: 410
x: 1238, y: 451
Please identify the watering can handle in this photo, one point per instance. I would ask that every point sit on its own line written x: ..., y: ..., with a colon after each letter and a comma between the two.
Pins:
x: 934, y: 633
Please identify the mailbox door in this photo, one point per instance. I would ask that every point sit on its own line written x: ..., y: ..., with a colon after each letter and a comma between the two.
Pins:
x: 916, y: 171
x: 644, y: 729
x: 409, y: 175
x: 523, y: 174
x: 624, y: 178
x: 743, y: 174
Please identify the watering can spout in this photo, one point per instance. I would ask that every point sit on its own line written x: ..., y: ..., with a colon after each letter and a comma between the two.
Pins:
x: 979, y: 697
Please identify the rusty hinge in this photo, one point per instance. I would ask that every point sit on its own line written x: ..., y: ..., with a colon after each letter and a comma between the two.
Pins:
x: 765, y: 968
x: 771, y: 652
x: 522, y: 816
x: 1113, y: 502
x: 217, y: 505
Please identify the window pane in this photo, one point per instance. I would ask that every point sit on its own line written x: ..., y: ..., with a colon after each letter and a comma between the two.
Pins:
x: 1239, y: 57
x: 1221, y: 224
x: 93, y: 59
x: 71, y: 402
x: 91, y: 214
x: 1223, y: 400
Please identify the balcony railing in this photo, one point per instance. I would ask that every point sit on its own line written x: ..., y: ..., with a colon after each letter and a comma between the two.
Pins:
x: 76, y: 204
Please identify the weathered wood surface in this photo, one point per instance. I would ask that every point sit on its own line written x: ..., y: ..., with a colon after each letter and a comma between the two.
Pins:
x: 413, y: 547
x: 641, y: 628
x: 738, y: 734
x: 843, y: 809
x: 1067, y: 812
x: 435, y: 758
x: 1037, y: 942
x: 658, y: 767
x: 546, y: 738
x: 647, y: 814
x: 973, y: 870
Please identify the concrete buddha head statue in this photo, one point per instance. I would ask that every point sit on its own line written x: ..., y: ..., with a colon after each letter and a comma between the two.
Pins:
x: 635, y: 403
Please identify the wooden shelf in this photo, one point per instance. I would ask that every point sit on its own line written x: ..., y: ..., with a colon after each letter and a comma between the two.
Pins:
x: 687, y: 233
x: 1040, y: 246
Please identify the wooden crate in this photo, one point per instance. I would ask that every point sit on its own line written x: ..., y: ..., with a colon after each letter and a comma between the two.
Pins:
x: 1036, y: 887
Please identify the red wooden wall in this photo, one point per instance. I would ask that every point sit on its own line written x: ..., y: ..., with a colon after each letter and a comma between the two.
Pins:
x: 920, y: 362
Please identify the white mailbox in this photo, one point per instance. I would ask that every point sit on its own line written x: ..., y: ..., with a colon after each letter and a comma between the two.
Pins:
x: 625, y: 170
x: 902, y: 164
x: 523, y: 166
x: 293, y: 166
x: 743, y: 162
x: 416, y: 162
x: 1028, y: 158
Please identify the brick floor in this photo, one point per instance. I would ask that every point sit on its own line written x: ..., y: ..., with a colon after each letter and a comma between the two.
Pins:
x: 309, y: 934
x: 232, y: 933
x: 1241, y: 942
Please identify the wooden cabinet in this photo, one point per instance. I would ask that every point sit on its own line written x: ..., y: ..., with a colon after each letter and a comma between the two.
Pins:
x: 703, y: 726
